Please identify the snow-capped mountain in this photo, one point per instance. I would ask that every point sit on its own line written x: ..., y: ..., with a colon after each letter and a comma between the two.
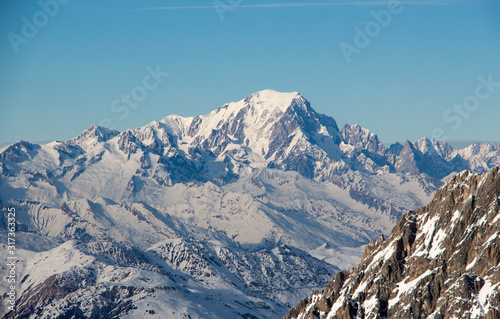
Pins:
x: 253, y: 181
x: 442, y: 261
x: 174, y: 278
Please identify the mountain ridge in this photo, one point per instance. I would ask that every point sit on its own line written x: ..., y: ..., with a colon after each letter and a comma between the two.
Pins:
x: 439, y: 262
x: 252, y: 177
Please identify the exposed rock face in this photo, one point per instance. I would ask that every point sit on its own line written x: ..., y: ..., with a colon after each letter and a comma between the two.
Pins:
x: 362, y: 139
x: 442, y: 261
x: 436, y: 159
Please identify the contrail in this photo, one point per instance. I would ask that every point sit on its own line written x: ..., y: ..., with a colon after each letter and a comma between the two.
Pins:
x: 320, y: 4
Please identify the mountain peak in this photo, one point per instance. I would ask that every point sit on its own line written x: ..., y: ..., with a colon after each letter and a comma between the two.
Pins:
x: 100, y: 131
x: 273, y: 99
x: 92, y: 136
x: 426, y: 145
x: 362, y: 139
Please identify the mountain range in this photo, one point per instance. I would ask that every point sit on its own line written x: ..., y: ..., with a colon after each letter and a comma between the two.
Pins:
x: 238, y: 213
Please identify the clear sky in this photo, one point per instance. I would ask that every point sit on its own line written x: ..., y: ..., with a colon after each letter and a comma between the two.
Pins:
x: 403, y: 70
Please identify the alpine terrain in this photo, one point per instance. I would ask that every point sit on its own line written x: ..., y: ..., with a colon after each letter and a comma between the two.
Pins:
x: 442, y: 261
x: 239, y: 213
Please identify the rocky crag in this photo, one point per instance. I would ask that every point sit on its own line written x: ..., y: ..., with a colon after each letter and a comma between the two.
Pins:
x: 442, y: 261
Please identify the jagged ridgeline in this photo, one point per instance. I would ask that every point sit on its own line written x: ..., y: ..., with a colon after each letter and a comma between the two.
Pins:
x: 442, y: 261
x: 241, y: 212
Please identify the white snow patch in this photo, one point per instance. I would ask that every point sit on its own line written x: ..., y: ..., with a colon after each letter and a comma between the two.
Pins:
x: 492, y: 237
x: 63, y: 258
x: 314, y: 299
x: 336, y: 306
x: 384, y: 254
x: 370, y: 304
x: 428, y: 230
x: 482, y: 306
x: 436, y: 248
x: 361, y: 288
x: 472, y: 263
x: 496, y: 219
x: 455, y: 217
x: 404, y: 287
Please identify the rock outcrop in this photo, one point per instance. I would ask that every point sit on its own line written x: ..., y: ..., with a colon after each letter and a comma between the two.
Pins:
x: 442, y: 261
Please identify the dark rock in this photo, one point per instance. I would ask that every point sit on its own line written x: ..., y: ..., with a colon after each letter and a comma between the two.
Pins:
x: 443, y: 260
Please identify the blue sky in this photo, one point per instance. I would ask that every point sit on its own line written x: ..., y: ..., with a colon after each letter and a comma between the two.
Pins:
x: 405, y: 79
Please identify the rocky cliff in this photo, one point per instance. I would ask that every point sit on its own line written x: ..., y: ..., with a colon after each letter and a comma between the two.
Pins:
x: 442, y: 261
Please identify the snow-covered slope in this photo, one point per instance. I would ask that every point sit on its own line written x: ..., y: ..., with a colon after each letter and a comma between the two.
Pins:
x: 255, y: 175
x: 174, y: 278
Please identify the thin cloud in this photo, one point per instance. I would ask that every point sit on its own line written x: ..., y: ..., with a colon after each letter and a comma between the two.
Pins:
x: 267, y: 5
x: 321, y: 4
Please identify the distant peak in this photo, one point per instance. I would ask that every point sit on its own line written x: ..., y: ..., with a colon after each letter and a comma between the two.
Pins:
x: 356, y: 128
x: 92, y: 136
x: 273, y: 99
x: 426, y: 145
x: 362, y: 138
x: 269, y: 93
x: 99, y: 131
